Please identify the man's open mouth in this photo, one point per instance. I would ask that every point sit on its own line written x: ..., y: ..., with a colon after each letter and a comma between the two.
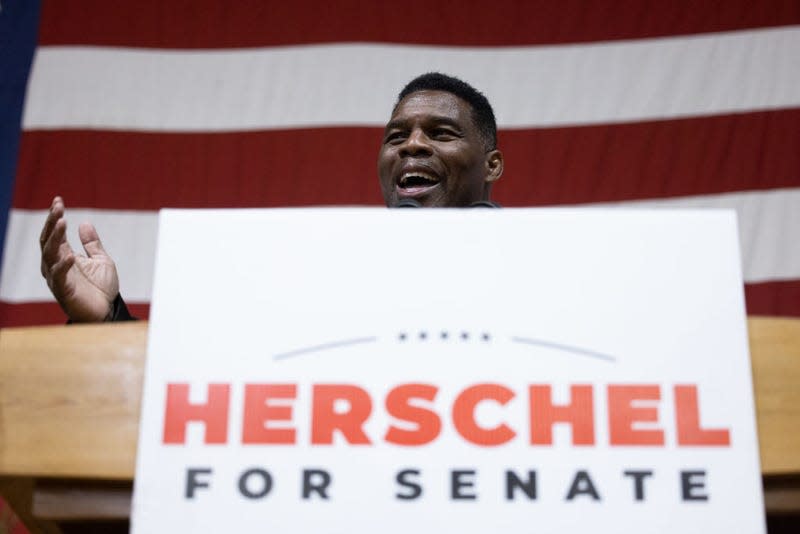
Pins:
x: 416, y: 183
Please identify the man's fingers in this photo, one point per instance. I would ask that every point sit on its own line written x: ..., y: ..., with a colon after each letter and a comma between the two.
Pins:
x: 90, y: 240
x: 51, y: 246
x: 56, y: 247
x: 58, y: 273
x: 55, y: 214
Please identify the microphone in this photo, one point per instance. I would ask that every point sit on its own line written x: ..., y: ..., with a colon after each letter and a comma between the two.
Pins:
x: 411, y: 203
x: 408, y: 203
x: 484, y: 204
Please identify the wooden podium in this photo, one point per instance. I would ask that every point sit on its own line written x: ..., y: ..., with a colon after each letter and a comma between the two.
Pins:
x: 69, y: 417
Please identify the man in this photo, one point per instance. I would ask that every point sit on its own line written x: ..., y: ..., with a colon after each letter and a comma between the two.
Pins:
x: 439, y: 150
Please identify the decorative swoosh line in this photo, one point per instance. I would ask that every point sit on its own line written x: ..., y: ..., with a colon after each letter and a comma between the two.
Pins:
x: 566, y: 348
x: 324, y: 346
x: 515, y: 339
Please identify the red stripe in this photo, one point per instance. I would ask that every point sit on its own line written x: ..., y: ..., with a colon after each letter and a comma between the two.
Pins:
x: 767, y: 298
x: 43, y: 313
x: 773, y: 298
x: 126, y: 170
x: 134, y: 170
x: 697, y: 156
x: 246, y: 23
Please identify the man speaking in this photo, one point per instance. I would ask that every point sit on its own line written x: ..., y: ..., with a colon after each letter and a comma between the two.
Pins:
x: 439, y: 149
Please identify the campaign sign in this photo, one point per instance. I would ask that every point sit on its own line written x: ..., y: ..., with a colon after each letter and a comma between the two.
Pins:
x: 395, y: 371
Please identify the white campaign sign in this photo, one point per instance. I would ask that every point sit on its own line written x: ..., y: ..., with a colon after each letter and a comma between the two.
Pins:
x: 517, y: 370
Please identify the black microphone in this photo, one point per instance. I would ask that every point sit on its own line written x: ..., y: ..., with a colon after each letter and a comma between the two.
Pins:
x: 484, y: 204
x: 408, y: 203
x: 411, y: 203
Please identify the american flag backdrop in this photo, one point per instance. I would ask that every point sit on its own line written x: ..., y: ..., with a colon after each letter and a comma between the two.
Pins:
x: 132, y: 106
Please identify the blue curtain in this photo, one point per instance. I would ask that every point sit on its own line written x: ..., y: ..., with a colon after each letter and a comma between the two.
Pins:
x: 19, y: 21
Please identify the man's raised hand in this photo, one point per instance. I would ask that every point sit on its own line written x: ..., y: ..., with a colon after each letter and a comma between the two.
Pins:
x: 84, y: 286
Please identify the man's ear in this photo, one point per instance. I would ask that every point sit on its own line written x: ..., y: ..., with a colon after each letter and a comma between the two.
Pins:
x: 494, y: 166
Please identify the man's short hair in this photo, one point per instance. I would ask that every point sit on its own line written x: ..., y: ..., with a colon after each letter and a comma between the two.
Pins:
x: 482, y: 113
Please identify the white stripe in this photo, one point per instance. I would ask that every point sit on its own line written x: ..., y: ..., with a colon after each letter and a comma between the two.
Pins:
x: 128, y: 236
x: 769, y: 226
x: 356, y: 84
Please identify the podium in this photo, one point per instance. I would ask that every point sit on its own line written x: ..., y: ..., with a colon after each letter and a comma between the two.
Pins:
x: 70, y: 399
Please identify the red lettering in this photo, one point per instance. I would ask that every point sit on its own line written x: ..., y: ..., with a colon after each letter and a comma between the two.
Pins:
x: 325, y: 419
x: 464, y: 414
x: 687, y: 418
x: 269, y: 412
x: 428, y: 423
x: 179, y: 412
x: 579, y: 414
x: 258, y: 413
x: 622, y: 415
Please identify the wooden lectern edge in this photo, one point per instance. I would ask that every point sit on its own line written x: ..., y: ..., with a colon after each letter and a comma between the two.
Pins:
x: 70, y: 398
x: 775, y: 363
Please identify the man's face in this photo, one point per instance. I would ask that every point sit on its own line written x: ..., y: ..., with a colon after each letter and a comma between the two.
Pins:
x: 433, y: 153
